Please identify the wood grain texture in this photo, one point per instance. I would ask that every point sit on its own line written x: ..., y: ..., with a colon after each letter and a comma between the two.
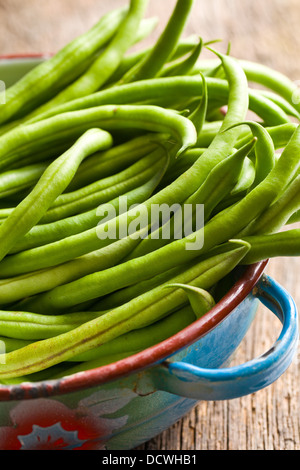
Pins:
x: 265, y: 31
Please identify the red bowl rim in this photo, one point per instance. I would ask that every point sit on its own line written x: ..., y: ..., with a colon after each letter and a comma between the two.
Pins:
x: 148, y: 357
x: 25, y: 56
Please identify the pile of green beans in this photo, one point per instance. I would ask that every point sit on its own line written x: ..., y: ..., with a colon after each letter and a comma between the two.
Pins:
x: 87, y: 279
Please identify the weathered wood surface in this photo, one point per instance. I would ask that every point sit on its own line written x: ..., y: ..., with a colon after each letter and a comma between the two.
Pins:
x: 268, y: 32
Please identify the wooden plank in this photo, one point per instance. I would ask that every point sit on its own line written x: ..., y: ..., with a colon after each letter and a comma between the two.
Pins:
x: 266, y: 32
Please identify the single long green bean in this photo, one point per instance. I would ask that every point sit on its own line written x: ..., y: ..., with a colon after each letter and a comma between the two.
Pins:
x: 280, y: 101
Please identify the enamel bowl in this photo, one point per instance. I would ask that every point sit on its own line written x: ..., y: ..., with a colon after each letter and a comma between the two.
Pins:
x: 124, y: 404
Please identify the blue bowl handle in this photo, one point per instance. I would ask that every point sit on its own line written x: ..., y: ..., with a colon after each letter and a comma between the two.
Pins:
x: 198, y: 383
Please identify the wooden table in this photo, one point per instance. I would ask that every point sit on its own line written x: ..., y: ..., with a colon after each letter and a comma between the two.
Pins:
x: 266, y: 31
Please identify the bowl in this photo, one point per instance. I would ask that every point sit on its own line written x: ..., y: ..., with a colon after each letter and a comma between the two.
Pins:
x: 124, y: 404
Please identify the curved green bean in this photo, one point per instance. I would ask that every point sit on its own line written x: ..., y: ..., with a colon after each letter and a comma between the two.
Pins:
x: 264, y: 151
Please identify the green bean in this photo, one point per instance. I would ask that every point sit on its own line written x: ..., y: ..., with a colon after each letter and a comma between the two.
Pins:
x: 177, y: 192
x: 246, y: 178
x: 107, y: 62
x: 151, y: 65
x: 280, y: 135
x: 142, y: 338
x: 157, y: 90
x: 95, y: 194
x: 53, y: 181
x: 200, y: 300
x: 198, y: 117
x: 272, y: 79
x: 145, y: 309
x: 39, y: 281
x: 101, y: 191
x: 278, y: 214
x: 14, y: 181
x: 133, y: 93
x: 185, y: 65
x: 48, y: 233
x: 263, y: 75
x: 124, y: 295
x: 219, y: 182
x: 16, y: 288
x: 21, y: 142
x: 280, y: 101
x: 264, y: 151
x: 114, y: 159
x: 233, y: 220
x: 32, y: 327
x: 50, y: 76
x: 281, y: 244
